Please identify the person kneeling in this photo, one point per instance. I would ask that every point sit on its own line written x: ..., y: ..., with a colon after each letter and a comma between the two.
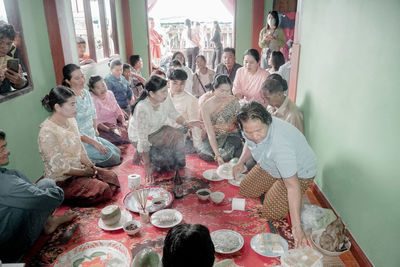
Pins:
x: 25, y: 209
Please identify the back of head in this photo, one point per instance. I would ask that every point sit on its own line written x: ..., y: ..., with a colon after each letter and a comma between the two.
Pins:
x: 188, y: 245
x: 2, y: 135
x: 220, y: 80
x: 272, y: 86
x: 277, y: 59
x: 175, y: 64
x: 188, y: 23
x: 177, y: 75
x: 134, y: 59
x: 7, y: 30
x: 252, y: 111
x: 277, y: 77
x: 57, y: 95
x: 252, y: 52
x: 67, y: 72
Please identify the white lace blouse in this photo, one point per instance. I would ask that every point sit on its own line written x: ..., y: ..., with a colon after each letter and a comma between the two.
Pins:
x: 147, y: 120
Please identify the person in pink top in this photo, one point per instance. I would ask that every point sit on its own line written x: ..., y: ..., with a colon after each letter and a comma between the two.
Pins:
x: 111, y: 123
x: 249, y: 78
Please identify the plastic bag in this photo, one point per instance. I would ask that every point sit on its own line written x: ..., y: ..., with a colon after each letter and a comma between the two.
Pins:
x: 314, y: 217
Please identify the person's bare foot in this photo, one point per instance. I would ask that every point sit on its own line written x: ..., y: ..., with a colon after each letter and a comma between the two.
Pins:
x: 54, y: 221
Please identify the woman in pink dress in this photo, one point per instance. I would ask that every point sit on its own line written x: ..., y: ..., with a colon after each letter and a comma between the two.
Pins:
x: 111, y: 122
x: 155, y: 43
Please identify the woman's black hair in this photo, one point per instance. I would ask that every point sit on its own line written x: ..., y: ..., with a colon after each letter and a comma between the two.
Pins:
x: 220, y: 80
x: 134, y: 59
x: 175, y: 64
x: 202, y: 57
x: 179, y: 53
x: 188, y: 23
x: 67, y: 71
x: 252, y: 52
x: 277, y: 77
x: 80, y: 40
x: 251, y: 111
x: 188, y: 245
x: 153, y: 84
x: 7, y: 30
x: 272, y: 86
x: 126, y: 66
x: 177, y: 75
x: 275, y: 15
x: 277, y: 59
x: 2, y: 135
x: 115, y: 62
x: 92, y: 81
x: 57, y: 95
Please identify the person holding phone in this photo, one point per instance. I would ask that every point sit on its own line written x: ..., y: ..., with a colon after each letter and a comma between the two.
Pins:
x: 11, y: 71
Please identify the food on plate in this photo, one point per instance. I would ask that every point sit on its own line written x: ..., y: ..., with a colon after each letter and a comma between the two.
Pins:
x: 224, y: 242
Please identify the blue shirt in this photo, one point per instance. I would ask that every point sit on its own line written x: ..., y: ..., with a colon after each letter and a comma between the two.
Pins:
x: 121, y: 89
x: 86, y: 113
x: 284, y: 152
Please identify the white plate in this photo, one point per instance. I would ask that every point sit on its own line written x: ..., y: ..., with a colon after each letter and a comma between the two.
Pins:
x: 108, y: 252
x: 227, y: 241
x: 125, y: 216
x: 237, y: 182
x: 262, y: 239
x: 155, y: 192
x: 212, y: 175
x: 230, y: 175
x: 160, y: 218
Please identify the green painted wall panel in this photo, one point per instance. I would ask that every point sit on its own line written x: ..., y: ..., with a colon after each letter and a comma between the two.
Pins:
x: 243, y: 24
x: 348, y: 89
x: 120, y: 26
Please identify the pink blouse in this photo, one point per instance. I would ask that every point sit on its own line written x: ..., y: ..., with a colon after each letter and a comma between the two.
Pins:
x: 249, y: 85
x: 107, y: 110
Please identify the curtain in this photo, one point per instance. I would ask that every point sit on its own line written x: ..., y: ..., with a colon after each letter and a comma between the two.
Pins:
x: 150, y: 4
x: 230, y: 5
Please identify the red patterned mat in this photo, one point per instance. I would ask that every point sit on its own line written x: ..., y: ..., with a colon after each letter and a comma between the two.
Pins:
x: 248, y: 223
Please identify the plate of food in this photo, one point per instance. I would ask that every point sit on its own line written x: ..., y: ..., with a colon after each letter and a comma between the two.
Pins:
x: 166, y: 218
x: 125, y: 216
x: 227, y: 241
x: 96, y: 253
x: 164, y: 196
x: 269, y: 245
x: 212, y: 175
x: 236, y: 182
x: 225, y: 171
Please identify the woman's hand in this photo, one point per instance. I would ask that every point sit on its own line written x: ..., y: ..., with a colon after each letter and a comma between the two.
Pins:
x: 236, y: 169
x: 300, y: 239
x: 89, y: 171
x: 219, y: 160
x: 192, y: 124
x: 100, y: 147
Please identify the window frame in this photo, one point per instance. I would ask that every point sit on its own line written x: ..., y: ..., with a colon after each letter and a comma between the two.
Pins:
x: 14, y: 18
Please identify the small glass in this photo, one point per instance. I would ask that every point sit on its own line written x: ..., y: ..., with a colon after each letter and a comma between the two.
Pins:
x: 144, y: 216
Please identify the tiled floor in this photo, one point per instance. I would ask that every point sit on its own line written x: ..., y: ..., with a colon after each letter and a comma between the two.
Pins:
x: 347, y: 258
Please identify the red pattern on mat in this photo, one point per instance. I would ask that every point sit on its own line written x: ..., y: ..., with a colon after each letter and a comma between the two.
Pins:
x: 248, y: 223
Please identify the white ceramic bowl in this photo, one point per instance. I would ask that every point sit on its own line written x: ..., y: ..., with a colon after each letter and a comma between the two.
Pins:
x: 158, y: 202
x: 205, y: 196
x: 110, y: 214
x: 132, y: 231
x: 217, y: 197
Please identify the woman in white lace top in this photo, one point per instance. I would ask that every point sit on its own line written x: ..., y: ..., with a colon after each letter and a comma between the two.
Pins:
x: 160, y: 146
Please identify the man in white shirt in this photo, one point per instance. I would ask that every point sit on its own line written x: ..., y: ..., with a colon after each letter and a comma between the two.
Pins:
x: 284, y: 70
x: 185, y: 103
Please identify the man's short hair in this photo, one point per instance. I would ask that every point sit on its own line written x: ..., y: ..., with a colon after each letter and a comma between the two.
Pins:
x: 2, y: 135
x: 7, y: 30
x: 229, y: 50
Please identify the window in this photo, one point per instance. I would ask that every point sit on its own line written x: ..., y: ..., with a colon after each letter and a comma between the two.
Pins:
x: 11, y: 50
x: 95, y: 23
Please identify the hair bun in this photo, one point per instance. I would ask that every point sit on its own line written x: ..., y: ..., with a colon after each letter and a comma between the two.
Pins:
x: 46, y: 103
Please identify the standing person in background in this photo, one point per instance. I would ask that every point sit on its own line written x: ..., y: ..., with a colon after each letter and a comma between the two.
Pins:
x: 216, y: 39
x: 272, y: 38
x: 203, y: 77
x: 192, y: 50
x: 137, y: 81
x: 83, y: 57
x: 181, y: 58
x: 119, y: 85
x: 284, y: 70
x: 198, y: 36
x: 228, y: 65
x: 155, y: 43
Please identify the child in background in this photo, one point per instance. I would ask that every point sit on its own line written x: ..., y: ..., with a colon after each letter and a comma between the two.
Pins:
x: 83, y: 57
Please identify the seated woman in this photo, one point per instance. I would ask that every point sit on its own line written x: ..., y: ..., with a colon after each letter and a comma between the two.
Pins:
x: 275, y: 61
x: 218, y: 113
x: 286, y: 165
x: 249, y: 78
x: 181, y: 58
x: 203, y: 77
x: 280, y: 106
x: 117, y: 83
x: 64, y: 157
x: 137, y: 81
x: 160, y: 146
x: 188, y: 245
x: 111, y: 123
x: 99, y: 150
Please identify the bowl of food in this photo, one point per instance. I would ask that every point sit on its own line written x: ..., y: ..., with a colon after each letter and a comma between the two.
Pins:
x: 343, y: 247
x: 158, y: 202
x: 110, y: 214
x: 217, y: 197
x: 203, y: 194
x: 132, y: 227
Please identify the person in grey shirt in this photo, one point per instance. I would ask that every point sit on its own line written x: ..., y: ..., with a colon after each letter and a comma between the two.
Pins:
x: 228, y: 65
x: 25, y: 209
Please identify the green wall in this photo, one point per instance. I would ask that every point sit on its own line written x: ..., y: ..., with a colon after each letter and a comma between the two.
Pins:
x: 21, y: 116
x: 243, y: 27
x: 348, y: 89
